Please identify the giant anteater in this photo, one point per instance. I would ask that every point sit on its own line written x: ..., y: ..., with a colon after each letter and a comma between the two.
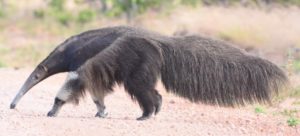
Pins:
x: 193, y: 67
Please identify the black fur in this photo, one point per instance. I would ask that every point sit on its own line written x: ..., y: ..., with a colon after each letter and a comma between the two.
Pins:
x: 77, y: 49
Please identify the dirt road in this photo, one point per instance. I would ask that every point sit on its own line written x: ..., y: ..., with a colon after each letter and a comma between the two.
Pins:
x: 177, y: 117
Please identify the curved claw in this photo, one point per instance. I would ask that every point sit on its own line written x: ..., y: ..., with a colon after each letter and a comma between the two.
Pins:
x: 51, y: 114
x: 143, y: 118
x: 158, y: 103
x: 101, y: 114
x: 158, y: 106
x: 157, y: 109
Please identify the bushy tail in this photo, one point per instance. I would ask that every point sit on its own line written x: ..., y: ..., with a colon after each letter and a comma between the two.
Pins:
x: 226, y: 78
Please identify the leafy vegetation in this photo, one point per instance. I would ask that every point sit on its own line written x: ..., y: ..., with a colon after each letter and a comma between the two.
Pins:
x: 39, y: 13
x: 292, y: 117
x: 259, y: 109
x: 292, y: 121
x: 131, y: 8
x: 24, y: 32
x: 85, y: 16
x: 57, y: 4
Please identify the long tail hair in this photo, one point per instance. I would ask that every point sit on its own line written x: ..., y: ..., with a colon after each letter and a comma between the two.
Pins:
x: 212, y: 72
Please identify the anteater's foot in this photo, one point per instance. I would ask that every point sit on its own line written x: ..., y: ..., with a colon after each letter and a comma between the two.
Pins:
x: 51, y: 114
x: 143, y: 118
x: 101, y: 114
x: 146, y: 115
x: 58, y: 103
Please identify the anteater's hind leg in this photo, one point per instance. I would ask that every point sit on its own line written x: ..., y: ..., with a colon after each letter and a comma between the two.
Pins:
x: 71, y: 91
x: 141, y: 85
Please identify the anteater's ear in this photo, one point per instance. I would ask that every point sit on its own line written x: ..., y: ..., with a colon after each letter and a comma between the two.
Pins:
x: 44, y: 68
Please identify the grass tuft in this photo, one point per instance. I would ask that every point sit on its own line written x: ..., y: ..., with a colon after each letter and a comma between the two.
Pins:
x: 242, y: 35
x: 259, y: 109
x: 292, y: 121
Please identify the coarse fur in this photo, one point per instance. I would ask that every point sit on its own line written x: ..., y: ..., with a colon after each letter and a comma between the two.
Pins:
x: 197, y: 68
x: 72, y: 89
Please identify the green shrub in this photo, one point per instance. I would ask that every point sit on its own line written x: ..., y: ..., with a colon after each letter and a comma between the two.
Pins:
x: 58, y: 11
x: 85, y: 16
x: 39, y: 13
x: 190, y: 2
x: 292, y: 121
x: 64, y: 18
x: 57, y: 4
x: 61, y: 16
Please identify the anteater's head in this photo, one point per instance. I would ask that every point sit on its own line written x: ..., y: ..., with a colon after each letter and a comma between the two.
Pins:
x: 56, y: 62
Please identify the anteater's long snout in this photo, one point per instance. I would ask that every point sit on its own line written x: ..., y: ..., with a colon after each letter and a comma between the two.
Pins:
x: 39, y: 74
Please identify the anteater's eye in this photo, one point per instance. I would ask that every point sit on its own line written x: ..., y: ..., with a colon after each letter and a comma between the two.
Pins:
x: 36, y: 77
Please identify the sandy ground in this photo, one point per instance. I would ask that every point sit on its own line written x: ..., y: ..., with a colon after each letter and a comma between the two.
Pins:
x: 177, y: 117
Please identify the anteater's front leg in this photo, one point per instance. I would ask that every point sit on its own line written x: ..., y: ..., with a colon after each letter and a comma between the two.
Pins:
x: 71, y: 91
x: 56, y: 107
